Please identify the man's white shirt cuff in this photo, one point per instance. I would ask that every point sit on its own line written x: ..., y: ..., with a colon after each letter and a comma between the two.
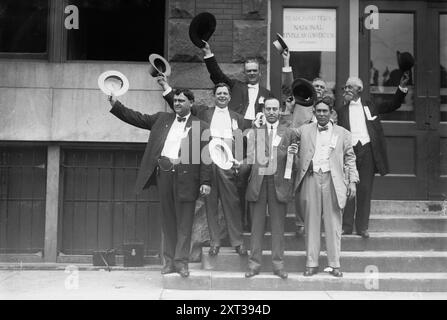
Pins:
x: 167, y: 91
x: 287, y: 69
x: 208, y: 56
x: 404, y: 90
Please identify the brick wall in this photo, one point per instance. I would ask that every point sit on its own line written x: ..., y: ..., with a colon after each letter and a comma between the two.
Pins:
x: 241, y: 32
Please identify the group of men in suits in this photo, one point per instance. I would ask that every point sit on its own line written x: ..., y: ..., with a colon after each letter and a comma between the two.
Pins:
x: 328, y: 160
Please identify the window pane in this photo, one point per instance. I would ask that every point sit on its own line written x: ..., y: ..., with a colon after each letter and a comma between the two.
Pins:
x: 311, y: 36
x: 119, y: 30
x: 396, y: 33
x: 443, y: 61
x: 23, y: 26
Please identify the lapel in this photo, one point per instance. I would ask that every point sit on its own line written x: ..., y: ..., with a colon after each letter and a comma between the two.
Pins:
x: 313, y: 136
x: 345, y: 115
x: 168, y: 124
x: 245, y: 99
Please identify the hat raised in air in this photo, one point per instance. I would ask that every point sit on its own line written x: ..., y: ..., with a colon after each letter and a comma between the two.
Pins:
x: 113, y: 82
x: 201, y: 28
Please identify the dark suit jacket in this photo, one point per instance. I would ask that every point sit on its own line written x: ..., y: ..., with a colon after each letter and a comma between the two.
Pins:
x: 205, y: 114
x: 190, y: 175
x: 239, y: 90
x: 284, y: 187
x: 374, y: 127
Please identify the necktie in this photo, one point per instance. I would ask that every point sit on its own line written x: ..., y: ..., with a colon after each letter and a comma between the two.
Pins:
x: 181, y: 119
x: 320, y: 128
x: 270, y: 140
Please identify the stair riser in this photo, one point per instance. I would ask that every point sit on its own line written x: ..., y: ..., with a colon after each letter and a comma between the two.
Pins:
x: 387, y: 225
x: 297, y: 264
x: 303, y: 284
x: 355, y: 243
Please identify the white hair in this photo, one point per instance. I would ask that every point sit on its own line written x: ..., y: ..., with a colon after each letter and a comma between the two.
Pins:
x: 356, y: 81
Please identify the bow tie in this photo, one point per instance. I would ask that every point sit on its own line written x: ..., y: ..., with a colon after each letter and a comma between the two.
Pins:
x: 254, y: 86
x: 181, y: 119
x: 320, y: 128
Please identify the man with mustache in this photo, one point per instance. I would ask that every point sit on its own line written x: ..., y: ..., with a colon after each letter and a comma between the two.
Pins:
x: 362, y: 119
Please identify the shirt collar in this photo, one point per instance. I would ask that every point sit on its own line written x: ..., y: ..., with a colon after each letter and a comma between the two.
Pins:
x: 255, y: 86
x: 221, y: 109
x: 357, y: 102
x: 275, y: 125
x: 187, y: 117
x: 329, y: 124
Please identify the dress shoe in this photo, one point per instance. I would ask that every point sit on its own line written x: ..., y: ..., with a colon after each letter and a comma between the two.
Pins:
x: 310, y: 271
x: 214, y: 250
x: 167, y: 269
x: 281, y: 273
x: 251, y: 273
x: 364, y: 234
x: 336, y: 272
x: 299, y: 231
x: 241, y: 250
x: 346, y: 232
x: 183, y: 271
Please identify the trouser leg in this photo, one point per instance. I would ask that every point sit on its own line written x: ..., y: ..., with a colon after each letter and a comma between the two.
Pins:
x: 212, y: 213
x: 311, y: 197
x: 258, y: 212
x: 228, y: 195
x: 277, y: 212
x: 168, y: 215
x: 332, y: 218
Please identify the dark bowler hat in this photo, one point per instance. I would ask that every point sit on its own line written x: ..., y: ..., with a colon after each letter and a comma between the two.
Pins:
x: 304, y: 92
x: 405, y: 61
x: 201, y: 28
x: 158, y: 65
x: 280, y: 44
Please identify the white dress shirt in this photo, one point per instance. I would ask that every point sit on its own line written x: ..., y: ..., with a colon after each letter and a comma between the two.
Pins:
x: 322, y: 149
x: 221, y: 124
x: 357, y: 122
x: 173, y: 141
x: 274, y: 127
x: 253, y: 91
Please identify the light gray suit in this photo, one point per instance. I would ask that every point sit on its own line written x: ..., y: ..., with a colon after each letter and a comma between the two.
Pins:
x: 324, y: 193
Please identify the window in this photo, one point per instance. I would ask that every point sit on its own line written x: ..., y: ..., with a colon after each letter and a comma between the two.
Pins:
x: 119, y: 30
x: 23, y: 26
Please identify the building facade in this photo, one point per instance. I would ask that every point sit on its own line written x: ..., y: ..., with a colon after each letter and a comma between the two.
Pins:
x: 68, y: 166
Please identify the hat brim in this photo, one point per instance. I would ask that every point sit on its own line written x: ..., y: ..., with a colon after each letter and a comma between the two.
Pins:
x: 304, y: 92
x: 113, y: 81
x: 159, y: 65
x: 201, y: 28
x: 280, y: 44
x: 221, y: 154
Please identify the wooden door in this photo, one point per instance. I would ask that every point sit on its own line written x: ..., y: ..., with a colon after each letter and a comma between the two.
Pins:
x: 414, y: 132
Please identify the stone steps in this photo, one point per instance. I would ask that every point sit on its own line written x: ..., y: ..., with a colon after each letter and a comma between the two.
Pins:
x: 389, y: 223
x: 378, y: 241
x: 266, y: 281
x: 356, y: 261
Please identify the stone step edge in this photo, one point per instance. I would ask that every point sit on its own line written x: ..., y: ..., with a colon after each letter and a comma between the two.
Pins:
x: 376, y: 216
x: 226, y: 251
x: 320, y: 275
x: 380, y: 235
